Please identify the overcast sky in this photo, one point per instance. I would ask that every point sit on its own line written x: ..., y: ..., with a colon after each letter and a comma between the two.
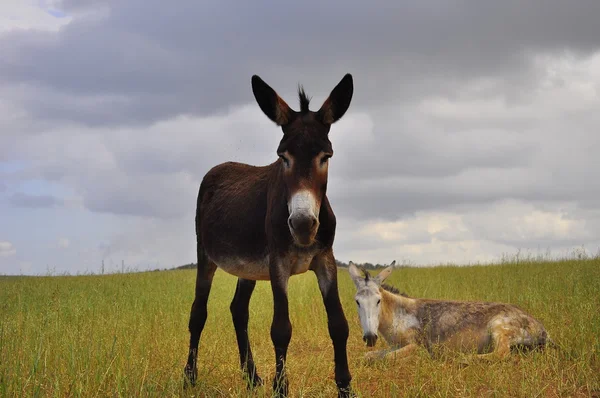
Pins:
x: 473, y: 131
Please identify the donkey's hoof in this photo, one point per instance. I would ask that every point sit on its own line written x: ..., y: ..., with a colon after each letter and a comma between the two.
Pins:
x: 254, y: 382
x: 189, y: 379
x: 280, y: 388
x: 346, y: 392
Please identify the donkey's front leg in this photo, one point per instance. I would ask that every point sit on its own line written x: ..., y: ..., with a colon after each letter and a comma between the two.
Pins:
x: 372, y: 356
x: 392, y: 354
x: 324, y: 267
x: 281, y: 328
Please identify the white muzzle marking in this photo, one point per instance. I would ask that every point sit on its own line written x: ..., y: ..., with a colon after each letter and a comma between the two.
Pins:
x: 369, y: 319
x: 303, y: 203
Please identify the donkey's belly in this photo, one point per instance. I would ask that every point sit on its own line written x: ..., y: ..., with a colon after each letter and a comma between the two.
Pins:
x: 259, y: 269
x: 245, y: 269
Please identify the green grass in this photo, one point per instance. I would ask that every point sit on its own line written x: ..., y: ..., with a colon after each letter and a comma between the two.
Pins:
x: 126, y: 335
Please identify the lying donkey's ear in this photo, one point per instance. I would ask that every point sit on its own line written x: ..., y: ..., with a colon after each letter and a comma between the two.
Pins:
x: 383, y: 275
x: 355, y: 274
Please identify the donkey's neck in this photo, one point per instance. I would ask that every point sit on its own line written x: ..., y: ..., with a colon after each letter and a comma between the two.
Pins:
x: 398, y: 315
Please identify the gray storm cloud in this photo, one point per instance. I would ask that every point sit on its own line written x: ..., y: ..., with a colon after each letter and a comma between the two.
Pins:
x: 472, y: 129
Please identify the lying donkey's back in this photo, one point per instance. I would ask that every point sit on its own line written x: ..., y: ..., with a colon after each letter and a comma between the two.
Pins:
x: 490, y: 329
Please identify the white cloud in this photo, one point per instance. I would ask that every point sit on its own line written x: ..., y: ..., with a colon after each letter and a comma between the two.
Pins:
x: 470, y: 233
x: 519, y: 223
x: 422, y: 226
x: 7, y: 249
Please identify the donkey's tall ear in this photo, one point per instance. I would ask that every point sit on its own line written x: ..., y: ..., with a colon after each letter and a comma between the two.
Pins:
x: 384, y: 274
x: 354, y: 274
x: 393, y: 263
x: 271, y: 104
x: 338, y: 101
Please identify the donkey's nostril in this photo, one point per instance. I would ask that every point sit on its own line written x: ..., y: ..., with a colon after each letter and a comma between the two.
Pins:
x: 370, y: 339
x: 302, y: 223
x: 295, y: 223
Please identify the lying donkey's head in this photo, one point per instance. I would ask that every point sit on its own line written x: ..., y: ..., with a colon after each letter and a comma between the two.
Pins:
x: 368, y: 299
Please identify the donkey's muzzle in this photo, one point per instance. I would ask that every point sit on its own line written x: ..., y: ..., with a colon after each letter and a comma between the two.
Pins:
x: 370, y: 339
x: 303, y: 227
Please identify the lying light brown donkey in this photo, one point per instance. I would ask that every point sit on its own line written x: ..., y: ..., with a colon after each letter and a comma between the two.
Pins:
x: 489, y: 329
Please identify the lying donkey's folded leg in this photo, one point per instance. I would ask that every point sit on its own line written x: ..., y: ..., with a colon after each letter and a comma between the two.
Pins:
x: 394, y: 353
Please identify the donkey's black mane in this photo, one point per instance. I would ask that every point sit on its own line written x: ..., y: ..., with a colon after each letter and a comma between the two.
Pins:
x: 384, y: 286
x: 393, y: 289
x: 304, y: 100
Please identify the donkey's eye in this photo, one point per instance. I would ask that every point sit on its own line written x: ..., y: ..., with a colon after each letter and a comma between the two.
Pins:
x: 378, y: 301
x: 324, y: 159
x: 357, y: 303
x: 286, y: 161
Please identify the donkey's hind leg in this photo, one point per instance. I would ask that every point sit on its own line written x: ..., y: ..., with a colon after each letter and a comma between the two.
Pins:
x: 501, y: 341
x: 239, y: 313
x: 204, y: 276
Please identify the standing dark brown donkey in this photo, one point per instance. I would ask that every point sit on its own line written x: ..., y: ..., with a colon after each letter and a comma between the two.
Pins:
x: 272, y: 222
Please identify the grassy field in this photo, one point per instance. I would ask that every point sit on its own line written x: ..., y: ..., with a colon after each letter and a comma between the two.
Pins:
x: 126, y: 335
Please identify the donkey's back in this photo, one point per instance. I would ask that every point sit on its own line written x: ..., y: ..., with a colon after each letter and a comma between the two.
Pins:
x: 478, y: 326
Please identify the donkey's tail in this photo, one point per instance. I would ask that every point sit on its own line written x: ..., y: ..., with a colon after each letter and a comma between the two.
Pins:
x: 201, y: 253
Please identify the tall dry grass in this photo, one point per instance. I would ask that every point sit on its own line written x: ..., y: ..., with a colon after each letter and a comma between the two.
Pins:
x: 126, y: 335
